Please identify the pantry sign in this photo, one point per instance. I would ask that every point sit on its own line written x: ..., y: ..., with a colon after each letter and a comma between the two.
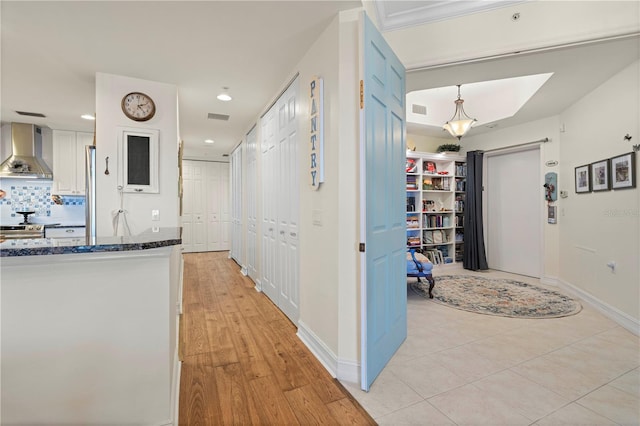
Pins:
x: 316, y: 135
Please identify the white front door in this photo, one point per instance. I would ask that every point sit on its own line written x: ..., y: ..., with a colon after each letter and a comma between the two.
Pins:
x: 514, y: 222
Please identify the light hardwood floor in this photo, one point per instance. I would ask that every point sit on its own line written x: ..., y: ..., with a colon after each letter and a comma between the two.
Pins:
x: 242, y: 362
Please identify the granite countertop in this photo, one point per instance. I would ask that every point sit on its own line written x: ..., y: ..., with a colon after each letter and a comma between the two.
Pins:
x: 149, y: 239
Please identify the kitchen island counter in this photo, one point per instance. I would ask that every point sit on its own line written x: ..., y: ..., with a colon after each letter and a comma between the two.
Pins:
x: 94, y: 329
x: 149, y: 239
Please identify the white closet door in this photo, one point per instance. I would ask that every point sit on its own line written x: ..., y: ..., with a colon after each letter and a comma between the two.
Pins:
x: 236, y: 204
x: 279, y: 248
x: 288, y: 208
x: 514, y: 220
x: 225, y: 207
x: 214, y: 199
x: 194, y: 208
x: 269, y: 191
x: 252, y: 204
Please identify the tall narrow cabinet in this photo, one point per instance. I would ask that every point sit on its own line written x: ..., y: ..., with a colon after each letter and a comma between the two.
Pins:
x: 435, y: 188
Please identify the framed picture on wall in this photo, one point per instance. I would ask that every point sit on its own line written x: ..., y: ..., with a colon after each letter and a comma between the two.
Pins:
x: 623, y: 171
x: 600, y: 176
x: 583, y: 179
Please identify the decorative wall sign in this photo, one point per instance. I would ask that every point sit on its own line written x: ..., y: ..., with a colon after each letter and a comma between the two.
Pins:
x: 316, y: 135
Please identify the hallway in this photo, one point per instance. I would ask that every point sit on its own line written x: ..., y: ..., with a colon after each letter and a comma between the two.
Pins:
x: 243, y: 363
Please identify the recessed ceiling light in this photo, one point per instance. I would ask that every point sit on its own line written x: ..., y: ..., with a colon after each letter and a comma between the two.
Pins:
x: 88, y: 117
x: 209, y: 141
x: 224, y: 96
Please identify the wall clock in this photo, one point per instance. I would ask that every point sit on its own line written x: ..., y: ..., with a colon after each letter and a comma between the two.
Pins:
x: 138, y: 106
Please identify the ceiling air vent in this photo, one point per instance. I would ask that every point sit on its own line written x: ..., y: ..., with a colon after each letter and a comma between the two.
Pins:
x: 223, y: 117
x: 31, y: 114
x: 419, y: 109
x: 225, y: 155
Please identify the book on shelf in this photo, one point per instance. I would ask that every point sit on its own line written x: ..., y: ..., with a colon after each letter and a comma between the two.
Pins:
x: 460, y: 185
x: 413, y: 222
x: 434, y: 237
x: 413, y: 240
x: 411, y: 165
x: 411, y: 204
x: 412, y: 183
x: 429, y: 167
x: 461, y: 169
x: 436, y: 183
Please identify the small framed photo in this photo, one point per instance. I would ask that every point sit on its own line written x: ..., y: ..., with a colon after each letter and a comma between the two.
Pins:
x: 600, y: 176
x: 583, y: 179
x: 623, y: 171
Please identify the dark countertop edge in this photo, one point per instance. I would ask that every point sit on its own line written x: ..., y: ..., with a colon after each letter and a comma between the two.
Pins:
x: 40, y: 251
x: 144, y: 241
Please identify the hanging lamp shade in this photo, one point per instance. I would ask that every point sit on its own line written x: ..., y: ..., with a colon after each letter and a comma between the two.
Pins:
x: 460, y: 123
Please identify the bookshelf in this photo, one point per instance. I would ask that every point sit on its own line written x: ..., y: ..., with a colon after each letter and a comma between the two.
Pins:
x: 435, y: 188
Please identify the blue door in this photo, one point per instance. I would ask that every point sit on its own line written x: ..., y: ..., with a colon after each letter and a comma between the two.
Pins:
x: 384, y: 321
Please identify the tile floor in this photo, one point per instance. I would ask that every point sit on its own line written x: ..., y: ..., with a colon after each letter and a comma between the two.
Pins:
x: 461, y: 368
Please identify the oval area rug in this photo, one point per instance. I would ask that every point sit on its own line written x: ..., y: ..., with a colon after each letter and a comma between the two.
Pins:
x: 498, y: 296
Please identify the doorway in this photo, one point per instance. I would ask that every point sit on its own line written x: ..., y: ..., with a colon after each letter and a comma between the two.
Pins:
x: 206, y: 218
x: 513, y: 211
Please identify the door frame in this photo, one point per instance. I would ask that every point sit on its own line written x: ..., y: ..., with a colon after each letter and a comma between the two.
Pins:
x: 539, y: 146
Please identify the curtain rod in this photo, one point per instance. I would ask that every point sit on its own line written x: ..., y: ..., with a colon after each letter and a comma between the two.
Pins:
x: 543, y: 140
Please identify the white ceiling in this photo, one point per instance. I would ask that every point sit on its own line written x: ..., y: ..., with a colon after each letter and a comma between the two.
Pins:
x: 576, y: 71
x: 51, y: 51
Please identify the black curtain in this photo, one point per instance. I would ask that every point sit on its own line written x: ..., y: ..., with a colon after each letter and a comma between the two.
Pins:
x: 474, y: 257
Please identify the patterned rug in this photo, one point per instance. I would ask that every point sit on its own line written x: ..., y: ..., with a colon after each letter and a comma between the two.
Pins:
x: 501, y: 297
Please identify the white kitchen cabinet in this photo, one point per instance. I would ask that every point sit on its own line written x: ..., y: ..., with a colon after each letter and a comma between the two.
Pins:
x: 68, y: 161
x: 65, y: 232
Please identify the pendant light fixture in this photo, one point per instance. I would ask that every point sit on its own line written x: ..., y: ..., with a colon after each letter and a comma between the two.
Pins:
x: 224, y: 96
x: 460, y: 123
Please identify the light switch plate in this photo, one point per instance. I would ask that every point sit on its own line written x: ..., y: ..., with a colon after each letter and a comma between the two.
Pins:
x: 155, y: 214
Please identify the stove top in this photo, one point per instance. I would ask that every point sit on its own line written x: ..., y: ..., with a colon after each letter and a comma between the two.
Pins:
x: 21, y: 231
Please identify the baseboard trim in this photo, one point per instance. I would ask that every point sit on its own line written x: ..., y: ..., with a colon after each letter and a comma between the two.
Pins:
x: 348, y: 371
x: 175, y: 388
x: 549, y: 281
x: 243, y: 270
x: 317, y: 347
x: 623, y: 319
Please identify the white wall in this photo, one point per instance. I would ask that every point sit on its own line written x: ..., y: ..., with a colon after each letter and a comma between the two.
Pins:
x: 424, y: 143
x: 593, y: 229
x: 318, y: 242
x: 109, y: 92
x: 603, y: 226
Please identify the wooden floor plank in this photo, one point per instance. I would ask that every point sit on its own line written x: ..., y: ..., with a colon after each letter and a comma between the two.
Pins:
x: 274, y: 407
x: 243, y: 363
x: 346, y: 412
x: 200, y: 405
x: 308, y: 407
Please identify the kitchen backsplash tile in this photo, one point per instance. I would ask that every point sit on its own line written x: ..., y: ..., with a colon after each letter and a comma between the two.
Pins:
x: 28, y: 197
x: 36, y: 196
